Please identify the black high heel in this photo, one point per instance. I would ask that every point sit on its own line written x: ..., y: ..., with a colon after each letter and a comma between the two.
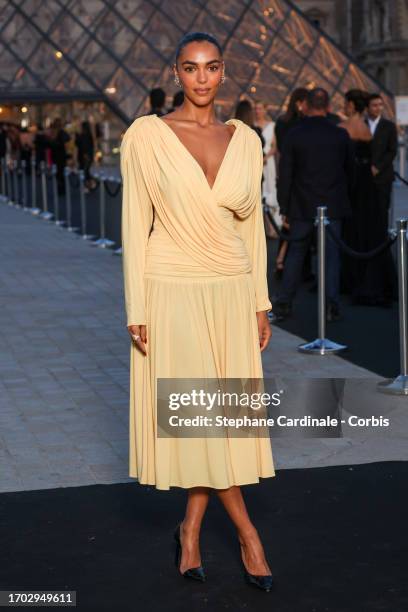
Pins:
x: 197, y: 573
x: 262, y: 582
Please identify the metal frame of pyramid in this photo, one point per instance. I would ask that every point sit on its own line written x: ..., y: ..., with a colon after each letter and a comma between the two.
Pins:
x: 126, y: 48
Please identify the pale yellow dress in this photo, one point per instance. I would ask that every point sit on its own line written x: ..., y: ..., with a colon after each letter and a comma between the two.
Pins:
x: 194, y: 265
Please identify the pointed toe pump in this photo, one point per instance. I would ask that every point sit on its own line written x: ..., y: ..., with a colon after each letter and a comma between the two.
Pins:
x: 262, y: 582
x: 196, y: 573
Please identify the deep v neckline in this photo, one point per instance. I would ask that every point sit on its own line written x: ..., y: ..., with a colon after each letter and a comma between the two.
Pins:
x: 191, y: 156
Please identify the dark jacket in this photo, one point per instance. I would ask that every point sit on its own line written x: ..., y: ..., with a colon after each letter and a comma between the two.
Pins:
x: 85, y: 145
x: 384, y: 150
x: 282, y: 129
x: 316, y: 168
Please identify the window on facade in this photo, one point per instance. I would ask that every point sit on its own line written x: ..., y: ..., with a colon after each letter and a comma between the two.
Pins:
x: 380, y: 16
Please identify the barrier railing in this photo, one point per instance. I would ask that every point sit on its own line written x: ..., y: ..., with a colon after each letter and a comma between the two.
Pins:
x: 3, y: 195
x: 399, y: 386
x: 321, y: 345
x: 75, y: 206
x: 401, y: 178
x: 45, y: 214
x: 103, y: 242
x: 35, y: 210
x: 16, y: 197
x: 68, y: 203
x: 80, y: 208
x: 9, y: 184
x: 55, y: 198
x: 84, y: 232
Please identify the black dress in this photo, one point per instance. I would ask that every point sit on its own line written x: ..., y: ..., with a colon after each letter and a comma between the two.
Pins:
x: 371, y: 281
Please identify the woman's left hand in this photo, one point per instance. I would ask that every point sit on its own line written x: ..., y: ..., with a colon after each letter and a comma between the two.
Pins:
x: 264, y: 329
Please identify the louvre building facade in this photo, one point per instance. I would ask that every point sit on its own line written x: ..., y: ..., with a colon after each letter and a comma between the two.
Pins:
x: 114, y: 52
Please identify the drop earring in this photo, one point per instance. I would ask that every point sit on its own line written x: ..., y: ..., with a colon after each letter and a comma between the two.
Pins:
x: 222, y: 80
x: 177, y: 80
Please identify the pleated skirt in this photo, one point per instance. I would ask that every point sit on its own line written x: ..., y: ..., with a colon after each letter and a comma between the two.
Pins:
x: 197, y: 327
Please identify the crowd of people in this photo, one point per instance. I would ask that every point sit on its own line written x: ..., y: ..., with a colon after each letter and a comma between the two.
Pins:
x: 53, y: 145
x: 314, y: 157
x: 345, y: 164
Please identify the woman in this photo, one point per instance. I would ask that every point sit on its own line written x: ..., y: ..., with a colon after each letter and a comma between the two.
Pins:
x: 368, y: 281
x: 267, y: 128
x: 295, y: 111
x: 245, y: 113
x: 196, y: 292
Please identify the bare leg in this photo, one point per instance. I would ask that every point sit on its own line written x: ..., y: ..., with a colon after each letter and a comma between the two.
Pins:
x: 253, y: 554
x: 197, y: 503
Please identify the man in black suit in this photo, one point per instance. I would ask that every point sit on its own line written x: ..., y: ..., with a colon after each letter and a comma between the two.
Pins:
x: 384, y: 151
x: 316, y: 169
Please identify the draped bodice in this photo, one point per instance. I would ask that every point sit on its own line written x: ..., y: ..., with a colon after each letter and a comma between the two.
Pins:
x: 196, y: 224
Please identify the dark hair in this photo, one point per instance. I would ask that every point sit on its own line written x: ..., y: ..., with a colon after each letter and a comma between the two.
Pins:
x: 244, y: 112
x: 373, y: 96
x: 298, y: 95
x: 359, y: 98
x: 178, y: 98
x: 196, y: 37
x: 318, y: 98
x: 157, y: 97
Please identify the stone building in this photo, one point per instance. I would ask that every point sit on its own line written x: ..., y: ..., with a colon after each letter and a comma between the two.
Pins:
x: 375, y: 32
x: 102, y: 58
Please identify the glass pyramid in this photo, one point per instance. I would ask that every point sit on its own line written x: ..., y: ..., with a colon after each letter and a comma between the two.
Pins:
x: 116, y: 51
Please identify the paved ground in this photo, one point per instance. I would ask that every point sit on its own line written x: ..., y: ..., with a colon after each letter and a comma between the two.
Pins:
x: 64, y: 369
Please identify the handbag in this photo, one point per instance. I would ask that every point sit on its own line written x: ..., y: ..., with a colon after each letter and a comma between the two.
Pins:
x: 270, y: 231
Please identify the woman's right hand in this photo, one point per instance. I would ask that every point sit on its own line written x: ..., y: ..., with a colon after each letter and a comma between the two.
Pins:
x: 139, y: 330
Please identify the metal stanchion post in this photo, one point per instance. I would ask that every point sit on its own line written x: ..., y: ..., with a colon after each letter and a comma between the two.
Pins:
x: 85, y: 236
x: 24, y: 185
x: 119, y: 250
x: 321, y: 345
x: 3, y: 196
x: 399, y: 386
x: 68, y: 210
x: 34, y: 208
x: 3, y: 180
x: 9, y: 183
x: 15, y: 184
x: 402, y: 157
x: 55, y: 196
x: 68, y: 206
x: 102, y: 242
x: 45, y: 213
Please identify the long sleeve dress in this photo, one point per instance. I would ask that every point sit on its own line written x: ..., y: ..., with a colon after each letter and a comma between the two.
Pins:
x: 194, y: 266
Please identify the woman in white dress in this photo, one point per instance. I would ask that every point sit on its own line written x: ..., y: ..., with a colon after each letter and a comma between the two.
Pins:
x: 269, y: 183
